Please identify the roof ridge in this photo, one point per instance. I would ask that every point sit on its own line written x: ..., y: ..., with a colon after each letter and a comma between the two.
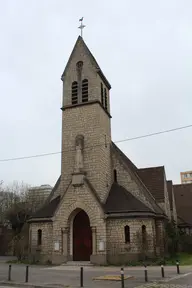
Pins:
x: 182, y: 184
x: 153, y: 167
x: 53, y: 190
x: 47, y: 210
x: 123, y: 154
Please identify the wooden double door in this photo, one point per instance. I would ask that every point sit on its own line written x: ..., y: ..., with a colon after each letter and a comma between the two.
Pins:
x: 82, y: 237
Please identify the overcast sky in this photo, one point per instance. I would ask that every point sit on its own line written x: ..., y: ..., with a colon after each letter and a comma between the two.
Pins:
x: 144, y: 48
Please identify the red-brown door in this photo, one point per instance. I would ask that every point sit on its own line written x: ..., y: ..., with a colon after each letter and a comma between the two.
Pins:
x: 82, y: 237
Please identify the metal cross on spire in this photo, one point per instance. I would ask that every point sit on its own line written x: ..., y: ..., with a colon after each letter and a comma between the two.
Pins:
x: 81, y: 26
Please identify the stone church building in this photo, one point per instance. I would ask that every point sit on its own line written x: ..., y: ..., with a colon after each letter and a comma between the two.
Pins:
x: 103, y: 208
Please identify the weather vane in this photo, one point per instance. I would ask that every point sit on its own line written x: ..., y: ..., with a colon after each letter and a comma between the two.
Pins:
x: 81, y: 26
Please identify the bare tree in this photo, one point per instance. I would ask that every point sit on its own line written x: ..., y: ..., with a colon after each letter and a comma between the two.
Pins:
x: 12, y: 198
x: 17, y: 203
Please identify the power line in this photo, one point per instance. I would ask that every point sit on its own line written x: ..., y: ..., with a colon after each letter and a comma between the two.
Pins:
x: 155, y: 133
x: 119, y: 141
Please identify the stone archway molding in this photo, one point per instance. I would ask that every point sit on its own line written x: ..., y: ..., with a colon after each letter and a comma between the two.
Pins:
x: 70, y: 212
x: 79, y: 205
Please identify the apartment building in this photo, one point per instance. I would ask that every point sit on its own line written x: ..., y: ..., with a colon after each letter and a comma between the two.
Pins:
x: 186, y: 177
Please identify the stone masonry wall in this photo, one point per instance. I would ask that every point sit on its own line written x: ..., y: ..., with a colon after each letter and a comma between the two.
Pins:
x: 94, y: 124
x: 78, y: 198
x: 116, y: 236
x: 160, y: 237
x: 47, y: 234
x: 125, y: 179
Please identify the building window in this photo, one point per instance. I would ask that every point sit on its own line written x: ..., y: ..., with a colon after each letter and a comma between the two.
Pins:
x: 105, y: 94
x: 115, y: 175
x: 85, y: 90
x: 187, y: 175
x: 144, y: 235
x: 127, y: 234
x: 74, y: 93
x: 39, y: 237
x: 102, y: 100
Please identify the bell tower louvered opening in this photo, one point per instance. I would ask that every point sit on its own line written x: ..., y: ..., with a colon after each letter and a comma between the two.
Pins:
x: 85, y: 90
x: 74, y: 92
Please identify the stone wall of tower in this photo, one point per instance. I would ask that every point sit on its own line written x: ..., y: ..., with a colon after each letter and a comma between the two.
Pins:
x: 87, y: 119
x: 94, y: 124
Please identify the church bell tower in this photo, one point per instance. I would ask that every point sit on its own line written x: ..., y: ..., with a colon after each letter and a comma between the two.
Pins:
x: 86, y: 127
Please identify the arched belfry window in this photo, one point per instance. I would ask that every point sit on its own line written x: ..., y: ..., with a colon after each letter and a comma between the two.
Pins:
x: 85, y: 90
x: 102, y: 98
x: 127, y: 234
x: 39, y: 237
x: 74, y: 93
x: 105, y: 95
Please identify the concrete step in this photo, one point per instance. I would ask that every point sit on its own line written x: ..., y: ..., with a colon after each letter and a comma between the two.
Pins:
x: 77, y: 263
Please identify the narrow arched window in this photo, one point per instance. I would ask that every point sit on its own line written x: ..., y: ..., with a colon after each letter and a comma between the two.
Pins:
x: 127, y: 234
x: 74, y: 93
x: 85, y: 90
x: 115, y: 175
x: 39, y: 237
x: 102, y: 97
x: 144, y: 235
x: 105, y: 94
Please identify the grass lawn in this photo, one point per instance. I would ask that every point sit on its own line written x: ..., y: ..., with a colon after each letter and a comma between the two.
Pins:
x: 183, y: 258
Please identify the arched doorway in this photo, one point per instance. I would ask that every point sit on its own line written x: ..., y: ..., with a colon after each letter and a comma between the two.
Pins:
x: 82, y: 237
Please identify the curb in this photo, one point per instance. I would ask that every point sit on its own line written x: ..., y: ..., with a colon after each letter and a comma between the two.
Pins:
x: 31, y: 285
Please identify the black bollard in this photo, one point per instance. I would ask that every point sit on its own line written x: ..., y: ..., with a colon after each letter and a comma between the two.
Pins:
x: 145, y: 271
x: 178, y: 269
x: 9, y: 273
x: 27, y: 274
x: 81, y: 277
x: 162, y: 271
x: 122, y: 278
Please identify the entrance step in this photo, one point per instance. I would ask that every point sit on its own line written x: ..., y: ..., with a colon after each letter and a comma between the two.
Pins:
x: 78, y: 263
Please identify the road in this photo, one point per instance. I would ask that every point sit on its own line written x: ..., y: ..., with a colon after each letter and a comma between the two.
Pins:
x: 70, y: 275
